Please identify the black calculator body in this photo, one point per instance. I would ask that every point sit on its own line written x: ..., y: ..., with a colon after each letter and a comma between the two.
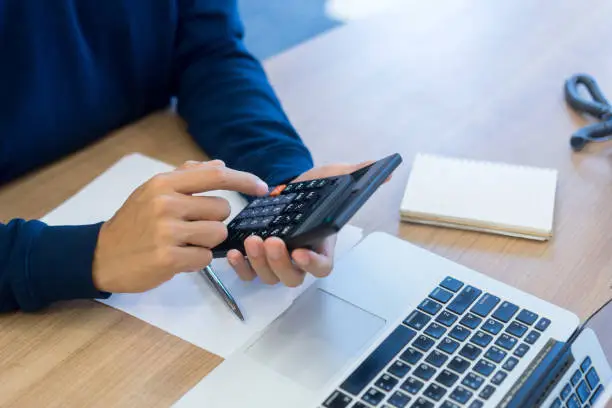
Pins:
x: 302, y: 214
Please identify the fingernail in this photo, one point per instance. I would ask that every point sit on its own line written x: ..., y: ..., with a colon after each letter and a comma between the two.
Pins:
x: 232, y: 261
x: 301, y: 258
x: 262, y: 185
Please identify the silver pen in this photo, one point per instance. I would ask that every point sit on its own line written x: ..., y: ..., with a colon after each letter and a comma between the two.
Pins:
x: 221, y: 290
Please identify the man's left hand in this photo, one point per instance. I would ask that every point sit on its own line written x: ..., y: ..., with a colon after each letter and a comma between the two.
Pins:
x: 270, y: 259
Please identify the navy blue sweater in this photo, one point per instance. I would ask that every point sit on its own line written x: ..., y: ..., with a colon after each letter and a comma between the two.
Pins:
x: 73, y: 70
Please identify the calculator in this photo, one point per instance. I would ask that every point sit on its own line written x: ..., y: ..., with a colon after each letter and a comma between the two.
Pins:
x: 302, y: 214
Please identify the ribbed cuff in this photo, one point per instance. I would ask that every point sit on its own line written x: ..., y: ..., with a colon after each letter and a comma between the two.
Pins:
x: 60, y: 263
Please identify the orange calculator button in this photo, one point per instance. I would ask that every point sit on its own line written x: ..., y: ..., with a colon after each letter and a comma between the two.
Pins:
x: 277, y: 190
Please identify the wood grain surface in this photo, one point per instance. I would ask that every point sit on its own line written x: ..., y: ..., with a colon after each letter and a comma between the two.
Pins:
x: 474, y: 79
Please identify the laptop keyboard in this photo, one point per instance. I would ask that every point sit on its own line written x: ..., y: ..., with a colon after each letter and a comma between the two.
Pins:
x: 582, y: 390
x: 453, y: 351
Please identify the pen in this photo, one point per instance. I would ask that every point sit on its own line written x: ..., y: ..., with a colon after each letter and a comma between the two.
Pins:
x: 227, y: 297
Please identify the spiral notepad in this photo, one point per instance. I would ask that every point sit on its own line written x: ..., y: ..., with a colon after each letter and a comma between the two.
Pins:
x: 483, y: 196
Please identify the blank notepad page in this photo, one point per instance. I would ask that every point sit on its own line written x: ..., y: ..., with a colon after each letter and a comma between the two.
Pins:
x: 496, y: 197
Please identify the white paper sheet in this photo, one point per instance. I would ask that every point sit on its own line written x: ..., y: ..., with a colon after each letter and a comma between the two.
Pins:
x: 186, y: 306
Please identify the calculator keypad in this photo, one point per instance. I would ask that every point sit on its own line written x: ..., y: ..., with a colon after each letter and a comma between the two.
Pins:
x: 281, y: 212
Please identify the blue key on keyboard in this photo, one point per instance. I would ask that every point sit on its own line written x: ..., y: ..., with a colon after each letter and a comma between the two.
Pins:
x: 596, y: 394
x: 451, y: 284
x: 485, y: 304
x: 464, y: 299
x: 592, y: 378
x: 586, y: 363
x: 576, y: 377
x: 573, y: 402
x: 505, y: 311
x: 583, y: 391
x: 566, y: 391
x: 556, y: 404
x: 441, y: 295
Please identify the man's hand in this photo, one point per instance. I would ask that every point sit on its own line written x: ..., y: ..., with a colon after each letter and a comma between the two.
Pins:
x: 270, y: 259
x: 162, y: 229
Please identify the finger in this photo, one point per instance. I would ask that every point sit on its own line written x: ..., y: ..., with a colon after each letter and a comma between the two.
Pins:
x: 255, y: 250
x: 190, y: 164
x: 208, y: 178
x: 240, y: 265
x: 205, y: 234
x: 207, y: 208
x: 186, y: 259
x: 280, y: 263
x: 319, y: 263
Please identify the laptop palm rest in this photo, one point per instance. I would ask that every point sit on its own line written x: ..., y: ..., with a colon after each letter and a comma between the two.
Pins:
x: 315, y: 338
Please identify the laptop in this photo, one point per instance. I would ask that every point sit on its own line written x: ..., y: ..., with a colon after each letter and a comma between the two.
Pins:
x: 397, y: 326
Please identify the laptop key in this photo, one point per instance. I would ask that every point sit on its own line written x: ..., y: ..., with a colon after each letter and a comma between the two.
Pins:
x: 448, y: 404
x: 461, y: 395
x: 517, y: 329
x: 492, y: 326
x: 436, y: 358
x: 377, y: 360
x: 596, y: 394
x: 373, y: 396
x: 447, y: 378
x: 486, y: 392
x: 429, y: 306
x: 481, y: 339
x: 506, y: 342
x: 412, y: 386
x: 359, y: 405
x: 399, y: 369
x: 464, y: 299
x: 473, y: 381
x: 435, y: 330
x: 417, y: 320
x: 495, y: 354
x: 583, y: 391
x: 411, y: 356
x: 434, y: 392
x: 532, y: 337
x: 527, y: 317
x: 423, y: 343
x: 566, y: 391
x: 576, y: 377
x: 586, y: 363
x: 470, y: 351
x: 441, y: 295
x: 459, y: 365
x: 460, y: 333
x: 337, y: 400
x: 556, y: 403
x: 446, y: 318
x: 471, y: 321
x: 510, y: 364
x: 521, y: 350
x: 422, y: 403
x: 592, y: 378
x: 483, y: 367
x: 485, y: 304
x: 386, y: 382
x: 476, y: 404
x: 451, y: 284
x: 424, y: 372
x: 448, y: 345
x: 398, y: 399
x: 573, y: 402
x: 505, y: 311
x: 543, y: 324
x: 499, y: 377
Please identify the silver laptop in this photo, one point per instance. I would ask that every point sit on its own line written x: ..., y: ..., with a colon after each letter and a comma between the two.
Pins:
x: 396, y: 326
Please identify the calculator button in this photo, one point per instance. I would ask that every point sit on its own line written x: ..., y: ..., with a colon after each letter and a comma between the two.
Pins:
x: 275, y: 232
x: 279, y: 219
x: 300, y: 197
x: 321, y: 183
x: 277, y: 190
x: 285, y: 231
x: 298, y: 218
x: 286, y: 198
x: 257, y: 202
x: 277, y: 209
x: 290, y: 207
x: 311, y: 196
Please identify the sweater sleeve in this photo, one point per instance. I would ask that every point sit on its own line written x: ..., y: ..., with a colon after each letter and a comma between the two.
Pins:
x: 40, y: 264
x: 226, y: 99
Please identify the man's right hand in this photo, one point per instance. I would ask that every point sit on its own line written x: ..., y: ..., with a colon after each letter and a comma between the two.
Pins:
x: 162, y: 229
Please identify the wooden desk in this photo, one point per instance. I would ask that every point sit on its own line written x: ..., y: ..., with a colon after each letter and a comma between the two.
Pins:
x: 477, y: 79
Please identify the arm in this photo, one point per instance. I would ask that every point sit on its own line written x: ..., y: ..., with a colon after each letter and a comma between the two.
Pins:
x: 41, y: 264
x: 226, y: 99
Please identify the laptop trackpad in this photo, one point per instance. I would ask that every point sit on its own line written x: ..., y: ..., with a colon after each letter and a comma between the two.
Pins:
x: 315, y: 338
